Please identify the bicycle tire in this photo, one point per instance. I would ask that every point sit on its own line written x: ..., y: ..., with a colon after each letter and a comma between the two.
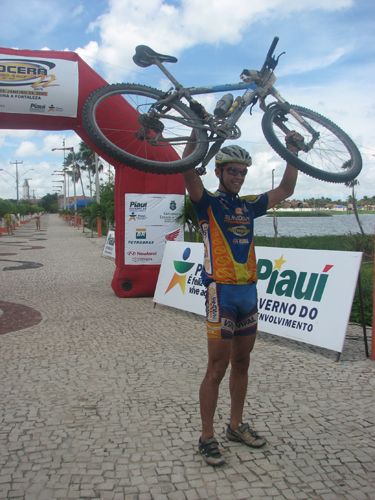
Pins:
x: 334, y: 157
x: 103, y: 120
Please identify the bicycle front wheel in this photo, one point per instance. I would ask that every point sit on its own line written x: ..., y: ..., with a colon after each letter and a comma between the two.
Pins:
x: 127, y: 122
x: 333, y: 158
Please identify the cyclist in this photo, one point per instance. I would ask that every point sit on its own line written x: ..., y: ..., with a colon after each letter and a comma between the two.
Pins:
x: 226, y: 223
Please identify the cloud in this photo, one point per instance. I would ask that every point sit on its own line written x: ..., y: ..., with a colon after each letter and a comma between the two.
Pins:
x: 323, y: 60
x: 26, y: 149
x: 174, y: 27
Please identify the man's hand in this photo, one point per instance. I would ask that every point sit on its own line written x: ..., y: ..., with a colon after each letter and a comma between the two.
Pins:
x: 294, y: 142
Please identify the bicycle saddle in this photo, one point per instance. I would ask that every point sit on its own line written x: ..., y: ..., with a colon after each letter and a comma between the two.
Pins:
x: 144, y: 56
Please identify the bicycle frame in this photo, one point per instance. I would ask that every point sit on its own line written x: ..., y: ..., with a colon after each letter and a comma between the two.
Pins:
x: 258, y: 87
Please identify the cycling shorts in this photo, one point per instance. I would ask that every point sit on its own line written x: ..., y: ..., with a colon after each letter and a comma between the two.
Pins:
x: 231, y: 310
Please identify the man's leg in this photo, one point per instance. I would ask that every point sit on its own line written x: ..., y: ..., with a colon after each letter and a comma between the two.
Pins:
x: 240, y: 361
x: 218, y: 360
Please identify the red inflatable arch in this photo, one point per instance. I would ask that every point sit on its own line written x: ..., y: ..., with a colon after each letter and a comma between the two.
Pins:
x: 128, y: 280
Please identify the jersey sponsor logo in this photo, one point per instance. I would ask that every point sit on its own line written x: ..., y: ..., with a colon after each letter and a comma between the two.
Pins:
x: 239, y: 230
x: 249, y: 321
x: 228, y: 324
x: 236, y: 219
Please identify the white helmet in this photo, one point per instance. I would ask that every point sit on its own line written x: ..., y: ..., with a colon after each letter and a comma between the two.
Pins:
x: 233, y: 154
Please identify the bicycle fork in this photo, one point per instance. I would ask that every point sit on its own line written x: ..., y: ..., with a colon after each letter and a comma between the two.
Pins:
x: 280, y: 121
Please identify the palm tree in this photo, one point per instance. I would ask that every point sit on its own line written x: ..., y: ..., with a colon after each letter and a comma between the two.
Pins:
x: 189, y: 218
x: 353, y: 201
x: 351, y: 184
x: 72, y: 159
x: 86, y: 158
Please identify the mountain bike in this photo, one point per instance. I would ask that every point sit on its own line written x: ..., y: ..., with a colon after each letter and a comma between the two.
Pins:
x: 160, y: 124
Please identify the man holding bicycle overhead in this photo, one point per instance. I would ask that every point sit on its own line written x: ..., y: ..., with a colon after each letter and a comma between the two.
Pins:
x: 227, y: 222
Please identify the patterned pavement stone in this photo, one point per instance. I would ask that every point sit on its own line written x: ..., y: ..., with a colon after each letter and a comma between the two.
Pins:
x: 99, y: 395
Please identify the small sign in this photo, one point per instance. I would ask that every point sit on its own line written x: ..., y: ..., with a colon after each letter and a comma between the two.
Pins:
x: 109, y: 246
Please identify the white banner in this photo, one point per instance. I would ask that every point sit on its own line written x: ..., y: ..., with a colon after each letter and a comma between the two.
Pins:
x: 179, y: 284
x: 150, y: 221
x: 34, y: 85
x: 304, y: 295
x: 109, y: 246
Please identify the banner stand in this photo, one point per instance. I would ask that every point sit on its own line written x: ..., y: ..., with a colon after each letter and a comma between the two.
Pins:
x: 363, y: 322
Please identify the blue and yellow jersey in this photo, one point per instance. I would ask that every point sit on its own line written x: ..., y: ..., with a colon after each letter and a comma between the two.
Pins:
x: 227, y: 225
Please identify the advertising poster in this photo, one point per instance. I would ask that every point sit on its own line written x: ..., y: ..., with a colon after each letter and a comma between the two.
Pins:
x: 39, y: 86
x: 151, y: 221
x: 304, y: 295
x: 109, y: 246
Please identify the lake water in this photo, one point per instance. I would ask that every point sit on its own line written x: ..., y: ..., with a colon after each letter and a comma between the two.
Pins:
x: 317, y: 226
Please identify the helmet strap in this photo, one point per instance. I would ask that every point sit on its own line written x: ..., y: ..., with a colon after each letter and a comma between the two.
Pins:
x: 221, y: 179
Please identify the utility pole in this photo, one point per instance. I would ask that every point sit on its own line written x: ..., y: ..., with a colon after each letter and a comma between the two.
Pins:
x: 16, y: 163
x: 97, y: 186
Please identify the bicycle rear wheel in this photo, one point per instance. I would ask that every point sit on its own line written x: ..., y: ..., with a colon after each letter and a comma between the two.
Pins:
x: 334, y: 157
x: 119, y: 119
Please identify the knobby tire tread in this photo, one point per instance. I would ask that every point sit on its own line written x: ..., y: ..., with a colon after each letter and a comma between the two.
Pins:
x: 138, y: 163
x: 341, y: 177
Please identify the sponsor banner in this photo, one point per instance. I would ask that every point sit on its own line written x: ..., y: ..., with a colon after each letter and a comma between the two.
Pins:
x: 35, y: 85
x: 109, y: 246
x: 150, y: 221
x: 304, y: 295
x: 179, y: 284
x: 307, y: 295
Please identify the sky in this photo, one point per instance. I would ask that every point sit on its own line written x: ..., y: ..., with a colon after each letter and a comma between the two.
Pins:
x: 329, y: 66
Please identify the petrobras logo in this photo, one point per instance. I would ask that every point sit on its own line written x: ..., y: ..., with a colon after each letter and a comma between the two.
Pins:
x: 140, y: 233
x: 17, y: 72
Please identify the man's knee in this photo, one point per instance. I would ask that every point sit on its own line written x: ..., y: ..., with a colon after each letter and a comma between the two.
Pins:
x: 241, y: 364
x: 217, y: 369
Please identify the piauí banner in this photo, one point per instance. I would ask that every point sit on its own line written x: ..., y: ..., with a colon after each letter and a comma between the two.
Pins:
x: 304, y: 295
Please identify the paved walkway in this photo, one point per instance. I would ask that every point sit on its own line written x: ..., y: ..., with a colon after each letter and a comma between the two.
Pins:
x: 98, y: 395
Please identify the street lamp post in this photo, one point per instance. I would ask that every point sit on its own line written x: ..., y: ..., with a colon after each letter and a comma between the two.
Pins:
x: 74, y: 178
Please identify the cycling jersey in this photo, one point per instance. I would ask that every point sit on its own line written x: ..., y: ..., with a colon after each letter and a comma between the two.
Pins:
x: 227, y: 225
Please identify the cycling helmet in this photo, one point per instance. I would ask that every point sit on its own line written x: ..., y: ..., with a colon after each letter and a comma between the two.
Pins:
x: 233, y: 154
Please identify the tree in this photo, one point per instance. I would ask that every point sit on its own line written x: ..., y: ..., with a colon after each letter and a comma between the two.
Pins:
x: 351, y: 184
x: 6, y: 207
x: 49, y: 203
x: 72, y: 160
x: 189, y: 218
x: 107, y: 204
x: 86, y: 160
